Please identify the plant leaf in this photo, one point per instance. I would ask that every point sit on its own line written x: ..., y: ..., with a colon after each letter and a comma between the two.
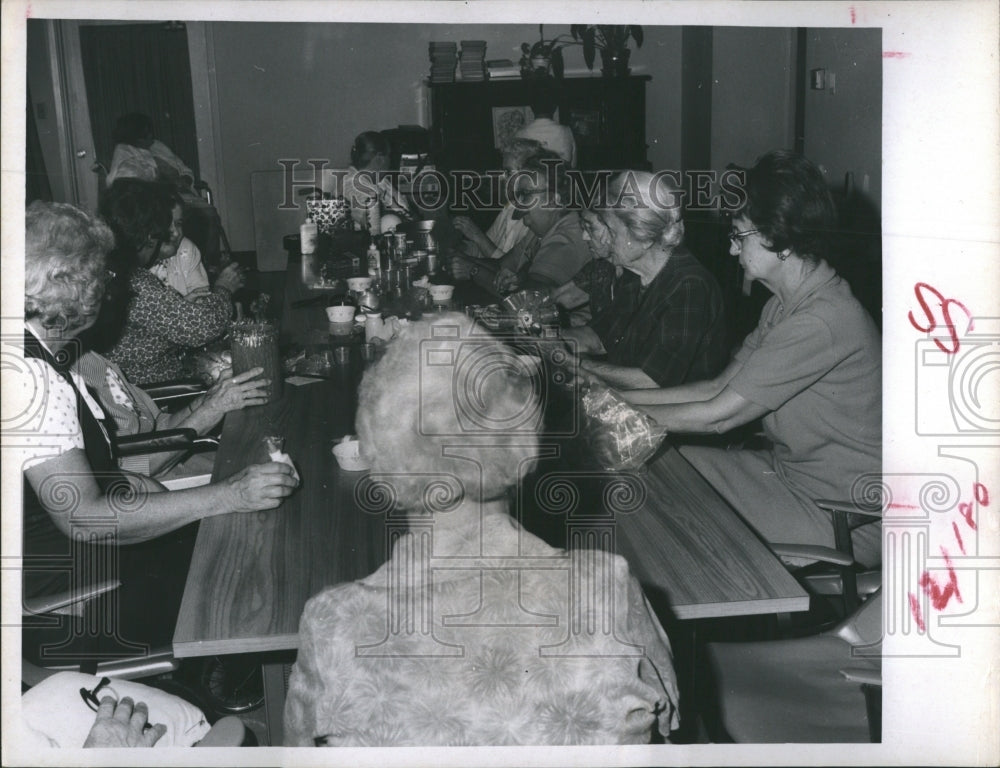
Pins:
x: 636, y: 31
x: 589, y: 50
x: 557, y: 63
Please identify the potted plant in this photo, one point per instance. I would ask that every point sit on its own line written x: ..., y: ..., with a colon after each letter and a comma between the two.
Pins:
x: 544, y: 56
x: 612, y: 41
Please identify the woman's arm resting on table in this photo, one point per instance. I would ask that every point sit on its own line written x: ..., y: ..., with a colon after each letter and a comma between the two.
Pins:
x: 229, y: 393
x: 695, y: 392
x: 618, y: 376
x: 149, y: 509
x: 583, y: 340
x: 725, y: 411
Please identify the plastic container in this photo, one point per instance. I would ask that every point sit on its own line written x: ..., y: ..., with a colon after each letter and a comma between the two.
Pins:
x: 308, y: 236
x: 348, y: 456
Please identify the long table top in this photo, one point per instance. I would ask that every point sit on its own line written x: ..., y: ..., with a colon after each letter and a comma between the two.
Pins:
x: 251, y: 574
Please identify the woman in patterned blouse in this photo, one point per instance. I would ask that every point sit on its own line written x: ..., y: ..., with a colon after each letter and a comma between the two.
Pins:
x: 160, y: 326
x: 471, y: 633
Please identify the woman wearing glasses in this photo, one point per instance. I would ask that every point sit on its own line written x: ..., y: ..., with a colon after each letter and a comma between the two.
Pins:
x: 812, y: 369
x: 85, y: 520
x: 662, y: 323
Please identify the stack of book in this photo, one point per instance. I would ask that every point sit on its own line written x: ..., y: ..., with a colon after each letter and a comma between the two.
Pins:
x: 444, y: 57
x: 472, y: 62
x: 499, y: 69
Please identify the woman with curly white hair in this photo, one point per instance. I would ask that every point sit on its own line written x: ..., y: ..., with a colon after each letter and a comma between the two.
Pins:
x: 665, y: 323
x: 471, y: 634
x: 76, y: 500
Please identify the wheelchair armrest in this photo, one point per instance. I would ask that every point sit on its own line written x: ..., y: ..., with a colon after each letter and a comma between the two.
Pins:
x: 813, y: 552
x: 850, y: 507
x: 862, y: 675
x: 168, y: 391
x: 155, y: 442
x: 52, y: 603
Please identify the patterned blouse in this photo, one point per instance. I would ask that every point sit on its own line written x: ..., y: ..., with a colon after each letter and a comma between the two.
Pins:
x: 162, y: 326
x: 494, y: 649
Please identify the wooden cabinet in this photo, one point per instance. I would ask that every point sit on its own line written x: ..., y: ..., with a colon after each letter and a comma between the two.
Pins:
x: 608, y: 117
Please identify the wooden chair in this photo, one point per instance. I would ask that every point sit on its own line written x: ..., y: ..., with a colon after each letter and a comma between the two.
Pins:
x: 820, y: 689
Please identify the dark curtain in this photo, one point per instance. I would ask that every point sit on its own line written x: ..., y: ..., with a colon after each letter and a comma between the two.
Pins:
x: 36, y: 179
x: 140, y: 68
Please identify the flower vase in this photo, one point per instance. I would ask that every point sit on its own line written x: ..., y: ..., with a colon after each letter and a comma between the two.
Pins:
x: 615, y: 62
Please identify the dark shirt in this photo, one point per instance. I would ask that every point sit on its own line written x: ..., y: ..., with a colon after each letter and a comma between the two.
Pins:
x: 673, y: 329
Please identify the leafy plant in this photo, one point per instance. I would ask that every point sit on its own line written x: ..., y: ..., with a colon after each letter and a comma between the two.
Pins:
x: 605, y: 37
x: 548, y: 49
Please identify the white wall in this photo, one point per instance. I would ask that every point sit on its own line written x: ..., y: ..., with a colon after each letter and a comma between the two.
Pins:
x: 843, y: 131
x: 753, y: 90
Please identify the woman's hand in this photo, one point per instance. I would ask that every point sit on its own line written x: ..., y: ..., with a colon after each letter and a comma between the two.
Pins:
x: 260, y: 486
x: 506, y: 281
x: 231, y: 278
x: 233, y: 393
x: 464, y: 225
x: 119, y: 724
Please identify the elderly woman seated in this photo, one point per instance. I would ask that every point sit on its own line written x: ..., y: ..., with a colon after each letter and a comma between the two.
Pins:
x: 558, y: 252
x: 812, y: 369
x: 664, y: 324
x: 505, y: 232
x: 471, y: 633
x: 161, y: 327
x: 76, y: 500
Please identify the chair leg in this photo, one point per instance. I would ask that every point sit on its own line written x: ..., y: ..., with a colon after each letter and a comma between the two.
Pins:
x: 848, y: 576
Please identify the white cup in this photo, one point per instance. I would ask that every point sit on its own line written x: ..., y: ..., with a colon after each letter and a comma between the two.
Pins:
x: 341, y: 313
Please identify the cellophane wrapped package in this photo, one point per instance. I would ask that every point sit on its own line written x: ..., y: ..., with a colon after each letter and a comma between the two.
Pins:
x: 619, y: 436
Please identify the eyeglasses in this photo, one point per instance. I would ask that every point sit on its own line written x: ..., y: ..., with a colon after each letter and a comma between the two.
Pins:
x: 736, y: 238
x: 90, y: 697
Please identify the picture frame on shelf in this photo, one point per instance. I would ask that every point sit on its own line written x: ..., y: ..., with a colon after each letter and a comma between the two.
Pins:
x: 507, y: 121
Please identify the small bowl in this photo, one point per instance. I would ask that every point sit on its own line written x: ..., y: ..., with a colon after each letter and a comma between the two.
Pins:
x: 341, y: 313
x: 348, y: 456
x: 359, y: 284
x: 441, y: 293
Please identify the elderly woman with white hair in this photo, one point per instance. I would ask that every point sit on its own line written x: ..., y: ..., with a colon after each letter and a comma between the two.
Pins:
x: 470, y: 634
x: 665, y: 324
x: 76, y: 499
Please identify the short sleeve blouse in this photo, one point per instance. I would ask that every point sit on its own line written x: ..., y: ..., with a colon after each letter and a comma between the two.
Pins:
x: 52, y: 425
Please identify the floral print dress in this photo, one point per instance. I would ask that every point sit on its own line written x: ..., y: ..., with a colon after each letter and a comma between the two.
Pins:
x: 523, y: 644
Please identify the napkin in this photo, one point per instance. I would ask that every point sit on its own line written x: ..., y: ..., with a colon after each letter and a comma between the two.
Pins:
x: 275, y: 451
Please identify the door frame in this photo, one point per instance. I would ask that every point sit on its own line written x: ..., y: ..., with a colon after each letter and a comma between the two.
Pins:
x: 72, y: 113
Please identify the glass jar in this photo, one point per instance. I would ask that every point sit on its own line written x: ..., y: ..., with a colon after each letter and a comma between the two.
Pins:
x: 255, y: 345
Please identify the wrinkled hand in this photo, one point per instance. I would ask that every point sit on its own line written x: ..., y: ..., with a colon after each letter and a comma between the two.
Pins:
x: 231, y: 278
x: 260, y: 486
x: 233, y: 393
x: 119, y: 724
x: 506, y: 281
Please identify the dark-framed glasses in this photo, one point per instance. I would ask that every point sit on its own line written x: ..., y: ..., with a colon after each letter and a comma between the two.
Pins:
x: 90, y: 697
x: 736, y: 238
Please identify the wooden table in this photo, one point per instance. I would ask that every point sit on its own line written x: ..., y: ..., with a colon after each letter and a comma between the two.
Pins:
x: 251, y: 574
